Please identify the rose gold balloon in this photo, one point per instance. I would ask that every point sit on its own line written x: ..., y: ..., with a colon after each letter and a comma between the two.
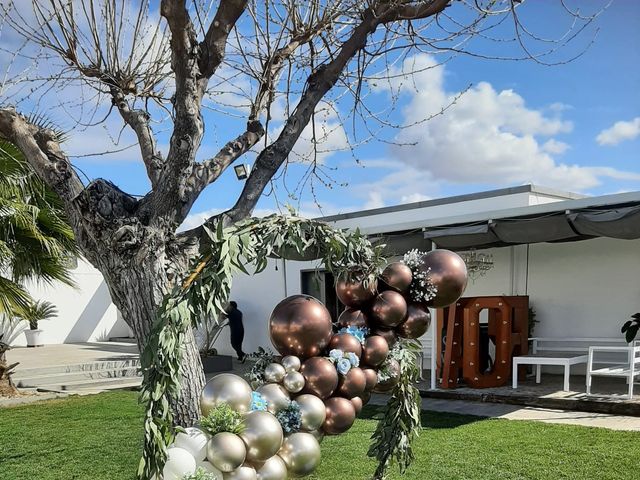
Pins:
x: 389, y: 335
x: 389, y: 309
x: 375, y: 351
x: 357, y: 404
x: 372, y: 379
x: 393, y: 368
x: 352, y: 384
x: 321, y: 377
x: 351, y: 317
x: 397, y: 276
x: 448, y: 273
x: 346, y: 342
x: 340, y: 415
x: 417, y: 322
x: 300, y: 325
x: 353, y: 293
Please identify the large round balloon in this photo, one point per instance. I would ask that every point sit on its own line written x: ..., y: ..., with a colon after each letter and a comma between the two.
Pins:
x: 353, y: 292
x: 351, y: 317
x: 397, y: 276
x: 244, y: 472
x: 179, y: 463
x: 372, y: 379
x: 276, y: 396
x: 226, y: 388
x: 300, y: 325
x: 375, y: 351
x: 312, y: 412
x: 346, y: 342
x: 194, y: 441
x: 393, y: 369
x: 226, y: 451
x: 273, y: 469
x: 389, y: 335
x: 262, y: 435
x: 321, y: 377
x: 447, y: 273
x: 301, y: 453
x: 357, y: 404
x: 389, y: 309
x: 341, y: 414
x: 352, y: 384
x: 417, y: 322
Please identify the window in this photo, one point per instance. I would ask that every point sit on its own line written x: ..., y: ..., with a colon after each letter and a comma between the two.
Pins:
x: 321, y: 285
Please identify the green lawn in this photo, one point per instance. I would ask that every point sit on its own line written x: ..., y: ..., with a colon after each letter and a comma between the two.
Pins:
x: 98, y: 437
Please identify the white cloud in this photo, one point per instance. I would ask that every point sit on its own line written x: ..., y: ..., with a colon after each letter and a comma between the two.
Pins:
x: 486, y: 136
x: 619, y: 132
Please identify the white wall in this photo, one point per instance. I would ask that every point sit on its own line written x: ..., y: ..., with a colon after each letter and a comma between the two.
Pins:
x: 85, y: 314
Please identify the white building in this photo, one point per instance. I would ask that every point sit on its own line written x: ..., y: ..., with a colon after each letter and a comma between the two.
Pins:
x: 584, y: 283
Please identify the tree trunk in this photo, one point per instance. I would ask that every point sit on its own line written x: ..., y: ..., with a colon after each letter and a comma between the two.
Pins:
x: 6, y: 385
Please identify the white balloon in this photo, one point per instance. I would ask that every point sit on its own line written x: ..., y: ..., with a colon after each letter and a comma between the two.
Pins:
x: 179, y: 463
x: 207, y: 467
x: 194, y: 441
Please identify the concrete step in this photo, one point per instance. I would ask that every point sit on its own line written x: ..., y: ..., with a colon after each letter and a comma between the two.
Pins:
x: 69, y: 369
x: 78, y: 376
x: 124, y: 340
x: 92, y: 386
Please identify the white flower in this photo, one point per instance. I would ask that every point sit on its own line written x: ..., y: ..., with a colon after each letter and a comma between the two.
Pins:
x: 336, y: 354
x: 343, y: 366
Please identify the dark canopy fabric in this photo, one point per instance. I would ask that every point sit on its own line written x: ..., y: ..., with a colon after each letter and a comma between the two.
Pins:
x: 561, y: 226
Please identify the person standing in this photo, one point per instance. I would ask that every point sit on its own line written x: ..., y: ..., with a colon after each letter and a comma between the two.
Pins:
x: 237, y: 329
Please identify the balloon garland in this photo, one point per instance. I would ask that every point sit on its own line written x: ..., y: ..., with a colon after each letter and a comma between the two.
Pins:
x: 325, y: 373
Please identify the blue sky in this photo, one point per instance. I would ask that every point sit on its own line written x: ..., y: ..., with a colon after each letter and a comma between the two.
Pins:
x: 574, y: 126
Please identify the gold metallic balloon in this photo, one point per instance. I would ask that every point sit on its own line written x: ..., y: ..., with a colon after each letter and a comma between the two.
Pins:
x: 389, y: 309
x: 353, y: 292
x: 262, y: 435
x: 340, y: 415
x: 397, y: 276
x: 352, y: 384
x: 448, y: 273
x: 417, y: 322
x: 274, y: 373
x: 291, y: 363
x: 393, y: 368
x: 319, y: 434
x: 389, y: 335
x: 357, y: 404
x: 301, y: 453
x: 226, y: 451
x: 372, y: 379
x: 245, y: 472
x: 312, y: 412
x: 300, y: 325
x: 293, y: 382
x: 375, y: 351
x: 352, y: 317
x: 273, y: 469
x: 276, y: 396
x: 346, y: 342
x: 226, y: 388
x: 321, y: 377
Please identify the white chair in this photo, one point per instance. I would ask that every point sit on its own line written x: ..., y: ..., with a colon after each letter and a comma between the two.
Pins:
x: 623, y: 362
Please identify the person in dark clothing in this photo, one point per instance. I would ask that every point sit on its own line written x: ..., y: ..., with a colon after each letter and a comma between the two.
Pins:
x: 237, y: 329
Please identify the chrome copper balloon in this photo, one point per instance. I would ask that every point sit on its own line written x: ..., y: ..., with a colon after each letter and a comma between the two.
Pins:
x: 321, y: 377
x: 244, y: 472
x: 226, y: 451
x: 393, y: 369
x: 225, y: 388
x: 276, y: 396
x: 353, y: 292
x: 291, y: 363
x: 352, y: 317
x: 293, y: 382
x: 300, y: 325
x: 352, y: 384
x: 397, y: 276
x: 357, y: 404
x: 346, y: 342
x: 389, y: 309
x: 312, y: 412
x: 262, y: 435
x: 274, y: 373
x: 301, y: 453
x: 448, y: 273
x: 340, y: 415
x: 417, y: 322
x: 273, y: 469
x: 389, y: 335
x: 371, y: 376
x: 375, y: 351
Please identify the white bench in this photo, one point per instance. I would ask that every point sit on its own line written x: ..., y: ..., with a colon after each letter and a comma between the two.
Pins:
x: 622, y: 362
x: 560, y: 351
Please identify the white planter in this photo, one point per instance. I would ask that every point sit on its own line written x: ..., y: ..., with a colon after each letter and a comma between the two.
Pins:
x: 34, y: 338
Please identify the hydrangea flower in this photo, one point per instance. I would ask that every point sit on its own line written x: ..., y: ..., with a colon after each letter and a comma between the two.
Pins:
x: 343, y: 366
x: 359, y: 332
x: 353, y: 359
x: 258, y: 402
x: 336, y: 354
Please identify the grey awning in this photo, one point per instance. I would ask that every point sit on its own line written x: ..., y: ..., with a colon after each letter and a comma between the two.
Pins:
x: 556, y: 226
